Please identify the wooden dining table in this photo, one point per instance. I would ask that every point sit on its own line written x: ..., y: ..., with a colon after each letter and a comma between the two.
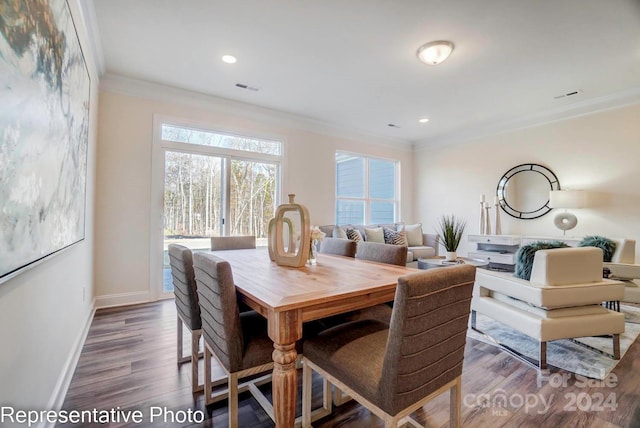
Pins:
x: 288, y: 297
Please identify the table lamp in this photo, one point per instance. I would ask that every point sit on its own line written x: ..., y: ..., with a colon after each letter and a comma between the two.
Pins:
x: 566, y: 199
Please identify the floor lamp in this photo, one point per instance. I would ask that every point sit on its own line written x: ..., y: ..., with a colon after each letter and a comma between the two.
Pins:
x: 566, y: 199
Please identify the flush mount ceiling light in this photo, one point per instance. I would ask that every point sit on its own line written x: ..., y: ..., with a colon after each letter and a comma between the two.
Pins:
x: 433, y: 53
x: 423, y: 120
x: 229, y: 59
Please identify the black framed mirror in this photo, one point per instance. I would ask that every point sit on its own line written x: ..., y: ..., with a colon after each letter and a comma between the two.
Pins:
x: 523, y: 191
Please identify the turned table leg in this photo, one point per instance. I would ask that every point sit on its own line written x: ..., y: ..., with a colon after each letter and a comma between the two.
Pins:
x: 285, y: 328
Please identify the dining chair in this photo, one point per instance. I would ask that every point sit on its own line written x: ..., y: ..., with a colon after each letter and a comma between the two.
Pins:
x: 338, y: 247
x: 186, y: 298
x: 395, y: 369
x: 232, y: 242
x: 237, y: 340
x: 382, y: 253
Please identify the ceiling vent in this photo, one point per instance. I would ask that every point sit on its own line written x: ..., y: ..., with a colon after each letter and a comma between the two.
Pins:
x: 568, y: 94
x: 247, y: 87
x: 392, y: 125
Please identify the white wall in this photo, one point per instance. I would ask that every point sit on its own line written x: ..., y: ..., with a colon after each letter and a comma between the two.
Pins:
x: 124, y: 172
x: 43, y: 314
x: 598, y: 153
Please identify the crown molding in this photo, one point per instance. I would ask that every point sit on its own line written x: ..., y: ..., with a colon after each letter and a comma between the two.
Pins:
x: 88, y: 11
x: 159, y: 92
x: 574, y: 110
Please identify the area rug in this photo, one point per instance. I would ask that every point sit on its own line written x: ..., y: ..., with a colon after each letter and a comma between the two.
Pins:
x: 564, y: 354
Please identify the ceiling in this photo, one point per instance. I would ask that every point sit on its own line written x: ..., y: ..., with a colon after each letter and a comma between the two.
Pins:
x: 352, y: 64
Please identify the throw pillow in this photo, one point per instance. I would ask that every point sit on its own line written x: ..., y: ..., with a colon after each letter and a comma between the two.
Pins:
x: 414, y: 234
x: 375, y: 234
x: 354, y: 235
x: 338, y: 232
x: 526, y: 253
x: 607, y: 246
x: 395, y: 238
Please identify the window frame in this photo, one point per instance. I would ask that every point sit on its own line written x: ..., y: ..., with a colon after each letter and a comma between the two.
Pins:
x: 367, y: 199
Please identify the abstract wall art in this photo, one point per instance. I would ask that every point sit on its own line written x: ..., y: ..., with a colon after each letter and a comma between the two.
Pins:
x: 44, y: 125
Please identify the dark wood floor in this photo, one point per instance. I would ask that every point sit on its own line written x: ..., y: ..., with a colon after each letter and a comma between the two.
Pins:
x: 129, y: 362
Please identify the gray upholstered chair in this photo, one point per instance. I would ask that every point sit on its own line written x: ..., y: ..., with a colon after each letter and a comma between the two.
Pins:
x: 232, y: 242
x: 382, y: 253
x: 239, y: 341
x: 338, y: 247
x: 395, y: 369
x: 186, y: 297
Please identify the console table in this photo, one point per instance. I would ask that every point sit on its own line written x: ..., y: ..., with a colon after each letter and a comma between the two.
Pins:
x: 499, y: 251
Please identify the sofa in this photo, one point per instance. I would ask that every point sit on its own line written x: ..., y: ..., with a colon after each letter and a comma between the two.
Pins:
x: 563, y: 298
x: 419, y: 244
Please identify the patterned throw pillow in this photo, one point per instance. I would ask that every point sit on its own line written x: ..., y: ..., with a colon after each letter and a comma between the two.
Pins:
x: 354, y: 235
x: 395, y: 238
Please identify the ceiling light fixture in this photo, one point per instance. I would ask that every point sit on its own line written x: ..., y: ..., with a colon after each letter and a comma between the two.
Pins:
x: 229, y: 59
x: 434, y: 53
x: 423, y: 120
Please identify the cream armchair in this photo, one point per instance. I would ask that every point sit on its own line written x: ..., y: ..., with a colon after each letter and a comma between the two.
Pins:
x: 623, y: 267
x: 562, y: 299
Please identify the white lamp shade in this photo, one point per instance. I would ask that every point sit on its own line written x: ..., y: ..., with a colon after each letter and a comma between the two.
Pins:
x: 567, y: 199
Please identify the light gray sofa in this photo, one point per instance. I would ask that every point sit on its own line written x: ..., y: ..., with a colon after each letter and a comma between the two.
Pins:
x: 429, y: 247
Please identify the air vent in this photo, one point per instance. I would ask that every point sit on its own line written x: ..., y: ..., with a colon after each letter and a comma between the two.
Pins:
x: 568, y: 94
x: 247, y: 87
x: 392, y: 125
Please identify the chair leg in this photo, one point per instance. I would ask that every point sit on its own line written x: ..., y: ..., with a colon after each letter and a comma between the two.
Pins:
x: 542, y: 359
x: 195, y: 348
x: 473, y: 320
x: 207, y: 376
x: 616, y: 346
x: 306, y: 395
x: 233, y: 400
x: 455, y: 402
x: 180, y: 360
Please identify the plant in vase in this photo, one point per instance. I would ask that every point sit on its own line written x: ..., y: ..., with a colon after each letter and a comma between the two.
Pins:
x: 316, y: 236
x: 450, y: 233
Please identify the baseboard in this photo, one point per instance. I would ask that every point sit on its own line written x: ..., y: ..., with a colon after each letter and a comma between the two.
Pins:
x: 62, y: 385
x: 123, y: 299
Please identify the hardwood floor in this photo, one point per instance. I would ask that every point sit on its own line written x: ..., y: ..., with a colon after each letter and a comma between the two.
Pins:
x: 128, y: 363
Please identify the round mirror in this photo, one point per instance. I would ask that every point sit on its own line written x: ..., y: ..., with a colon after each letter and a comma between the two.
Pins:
x: 523, y: 191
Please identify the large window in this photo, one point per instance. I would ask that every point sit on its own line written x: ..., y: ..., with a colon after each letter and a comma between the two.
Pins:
x: 366, y: 190
x: 215, y: 184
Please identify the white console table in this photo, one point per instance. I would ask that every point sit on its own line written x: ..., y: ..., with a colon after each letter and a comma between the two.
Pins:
x: 497, y: 250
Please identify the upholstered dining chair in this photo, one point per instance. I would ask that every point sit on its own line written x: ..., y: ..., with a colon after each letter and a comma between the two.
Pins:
x: 338, y: 247
x: 186, y: 298
x: 382, y: 253
x: 239, y: 341
x: 232, y: 242
x: 395, y: 369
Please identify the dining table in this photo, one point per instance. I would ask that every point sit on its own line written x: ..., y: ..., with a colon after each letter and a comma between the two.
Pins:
x: 290, y: 296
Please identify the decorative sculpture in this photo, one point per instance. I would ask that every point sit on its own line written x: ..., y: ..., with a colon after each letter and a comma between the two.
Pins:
x: 277, y: 252
x: 482, y: 214
x: 498, y: 223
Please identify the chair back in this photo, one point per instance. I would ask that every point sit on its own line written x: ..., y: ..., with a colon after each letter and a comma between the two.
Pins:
x: 232, y: 242
x: 382, y: 253
x: 338, y: 247
x: 565, y: 266
x: 184, y: 285
x: 221, y: 327
x: 427, y: 335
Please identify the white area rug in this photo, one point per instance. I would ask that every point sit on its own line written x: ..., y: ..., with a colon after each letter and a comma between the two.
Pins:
x: 565, y: 354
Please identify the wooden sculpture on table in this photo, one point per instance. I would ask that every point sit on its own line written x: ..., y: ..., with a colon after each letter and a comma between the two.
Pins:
x: 277, y: 252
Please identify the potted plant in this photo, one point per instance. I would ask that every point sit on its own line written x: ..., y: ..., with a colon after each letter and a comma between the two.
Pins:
x: 450, y: 233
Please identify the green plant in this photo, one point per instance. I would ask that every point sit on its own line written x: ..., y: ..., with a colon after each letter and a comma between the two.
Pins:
x: 451, y: 230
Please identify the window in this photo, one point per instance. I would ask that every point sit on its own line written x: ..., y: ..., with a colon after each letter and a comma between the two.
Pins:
x: 214, y: 184
x: 366, y: 190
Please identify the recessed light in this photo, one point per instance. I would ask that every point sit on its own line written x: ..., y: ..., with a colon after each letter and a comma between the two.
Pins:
x: 229, y: 59
x: 423, y: 120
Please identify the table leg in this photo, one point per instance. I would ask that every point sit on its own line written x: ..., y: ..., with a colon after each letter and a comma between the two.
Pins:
x: 285, y: 384
x: 285, y: 328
